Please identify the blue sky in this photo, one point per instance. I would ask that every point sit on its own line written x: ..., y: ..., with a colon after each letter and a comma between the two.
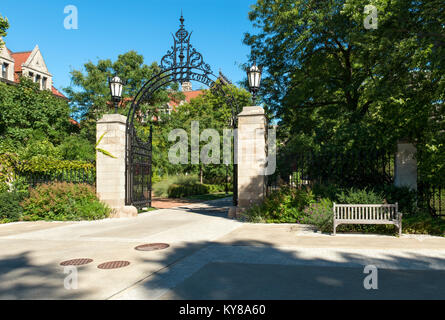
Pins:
x: 108, y: 28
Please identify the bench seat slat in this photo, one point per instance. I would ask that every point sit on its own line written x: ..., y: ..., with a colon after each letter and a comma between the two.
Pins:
x: 359, y: 221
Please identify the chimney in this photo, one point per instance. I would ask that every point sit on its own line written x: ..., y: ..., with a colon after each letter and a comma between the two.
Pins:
x: 186, y: 87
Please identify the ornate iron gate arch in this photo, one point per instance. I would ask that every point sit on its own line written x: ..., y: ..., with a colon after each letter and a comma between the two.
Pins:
x: 183, y: 63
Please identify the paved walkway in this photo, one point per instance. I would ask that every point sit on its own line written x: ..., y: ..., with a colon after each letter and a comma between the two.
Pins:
x: 212, y: 257
x: 163, y: 203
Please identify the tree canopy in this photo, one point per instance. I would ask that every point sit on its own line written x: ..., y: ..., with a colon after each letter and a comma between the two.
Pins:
x: 212, y: 111
x: 28, y: 113
x: 332, y: 82
x: 89, y: 93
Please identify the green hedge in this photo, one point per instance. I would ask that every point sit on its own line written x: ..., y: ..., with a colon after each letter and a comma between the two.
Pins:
x: 181, y: 191
x: 217, y: 188
x: 43, y: 169
x: 45, y: 165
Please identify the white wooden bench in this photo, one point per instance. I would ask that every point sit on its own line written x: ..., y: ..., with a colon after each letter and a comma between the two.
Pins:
x: 367, y: 214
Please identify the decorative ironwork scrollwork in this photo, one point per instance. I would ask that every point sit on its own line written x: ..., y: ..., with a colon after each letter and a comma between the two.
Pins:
x: 184, y: 56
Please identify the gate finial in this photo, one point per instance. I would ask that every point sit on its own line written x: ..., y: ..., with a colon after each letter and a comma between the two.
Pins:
x: 182, y: 19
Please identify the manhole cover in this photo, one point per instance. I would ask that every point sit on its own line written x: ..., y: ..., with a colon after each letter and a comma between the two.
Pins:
x: 76, y: 262
x: 113, y: 265
x: 152, y: 247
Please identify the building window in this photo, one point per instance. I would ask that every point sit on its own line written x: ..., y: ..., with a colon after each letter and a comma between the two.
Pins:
x: 31, y: 75
x: 5, y: 68
x: 38, y: 78
x: 44, y: 83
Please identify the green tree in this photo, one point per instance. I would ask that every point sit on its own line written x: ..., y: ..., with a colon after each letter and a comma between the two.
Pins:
x: 4, y: 25
x: 332, y: 82
x: 212, y: 111
x: 29, y: 114
x: 90, y: 94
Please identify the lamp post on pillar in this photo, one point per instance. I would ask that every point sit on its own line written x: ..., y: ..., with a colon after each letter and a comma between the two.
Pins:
x: 254, y: 76
x: 111, y: 134
x: 116, y: 86
x: 251, y: 147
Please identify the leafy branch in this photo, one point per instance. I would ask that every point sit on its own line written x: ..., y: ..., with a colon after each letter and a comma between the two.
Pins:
x: 108, y: 154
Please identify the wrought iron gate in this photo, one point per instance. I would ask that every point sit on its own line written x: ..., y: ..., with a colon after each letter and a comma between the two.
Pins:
x: 139, y: 169
x: 182, y: 63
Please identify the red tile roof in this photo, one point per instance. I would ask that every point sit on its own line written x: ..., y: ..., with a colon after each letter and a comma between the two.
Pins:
x: 58, y: 93
x: 74, y: 123
x: 20, y: 58
x: 189, y: 95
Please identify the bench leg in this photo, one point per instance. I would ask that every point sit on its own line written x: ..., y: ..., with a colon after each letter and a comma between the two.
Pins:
x: 400, y: 229
x: 335, y: 229
x: 400, y: 225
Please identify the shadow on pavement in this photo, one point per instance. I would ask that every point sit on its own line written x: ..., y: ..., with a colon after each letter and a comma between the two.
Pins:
x: 21, y: 279
x: 213, y: 208
x: 246, y: 270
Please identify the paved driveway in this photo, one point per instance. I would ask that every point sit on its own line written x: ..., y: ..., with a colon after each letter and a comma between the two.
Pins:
x: 212, y: 257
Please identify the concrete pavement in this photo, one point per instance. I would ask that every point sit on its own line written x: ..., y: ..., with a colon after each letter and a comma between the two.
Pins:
x: 212, y: 257
x: 30, y: 253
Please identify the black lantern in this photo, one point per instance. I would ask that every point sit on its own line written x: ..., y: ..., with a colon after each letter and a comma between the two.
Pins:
x: 254, y: 77
x: 116, y: 86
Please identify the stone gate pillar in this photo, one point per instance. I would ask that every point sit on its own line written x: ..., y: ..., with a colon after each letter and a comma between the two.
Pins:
x: 405, y: 167
x: 110, y: 172
x: 251, y: 157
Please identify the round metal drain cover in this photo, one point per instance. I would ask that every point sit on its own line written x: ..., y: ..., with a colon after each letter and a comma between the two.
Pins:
x: 152, y: 247
x: 76, y: 262
x: 113, y: 265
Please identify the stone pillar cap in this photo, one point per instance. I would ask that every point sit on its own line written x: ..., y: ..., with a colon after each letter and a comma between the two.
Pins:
x: 251, y: 111
x: 113, y: 118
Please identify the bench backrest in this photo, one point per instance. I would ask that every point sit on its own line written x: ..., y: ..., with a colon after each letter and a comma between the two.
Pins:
x: 366, y: 211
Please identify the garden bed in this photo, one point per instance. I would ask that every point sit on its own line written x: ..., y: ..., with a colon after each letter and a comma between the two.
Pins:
x: 313, y: 206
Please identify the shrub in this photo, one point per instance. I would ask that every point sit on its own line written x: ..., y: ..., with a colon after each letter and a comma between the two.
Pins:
x: 319, y: 214
x: 423, y: 223
x: 217, y: 188
x: 183, y: 186
x: 77, y: 148
x: 363, y: 196
x: 7, y: 163
x: 181, y: 191
x: 329, y: 191
x: 3, y: 187
x: 62, y: 201
x: 406, y: 198
x: 10, y: 209
x: 161, y: 188
x: 40, y: 149
x: 21, y: 187
x: 283, y: 206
